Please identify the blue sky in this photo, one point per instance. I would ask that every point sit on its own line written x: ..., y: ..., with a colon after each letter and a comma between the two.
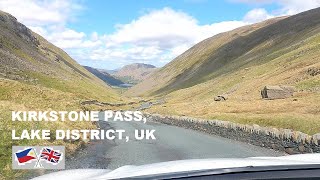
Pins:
x: 111, y: 33
x: 124, y: 11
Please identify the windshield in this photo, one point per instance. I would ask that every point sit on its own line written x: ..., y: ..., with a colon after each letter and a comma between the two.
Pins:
x: 105, y: 85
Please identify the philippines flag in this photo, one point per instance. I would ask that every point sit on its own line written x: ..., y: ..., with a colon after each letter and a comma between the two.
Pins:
x: 50, y: 155
x: 26, y: 155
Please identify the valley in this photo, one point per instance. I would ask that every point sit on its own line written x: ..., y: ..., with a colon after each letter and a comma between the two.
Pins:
x: 220, y: 78
x: 238, y: 64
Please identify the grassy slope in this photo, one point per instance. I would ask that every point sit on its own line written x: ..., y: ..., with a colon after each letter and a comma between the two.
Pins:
x: 190, y: 61
x: 36, y: 75
x: 230, y: 52
x: 245, y: 104
x: 104, y: 76
x: 239, y: 63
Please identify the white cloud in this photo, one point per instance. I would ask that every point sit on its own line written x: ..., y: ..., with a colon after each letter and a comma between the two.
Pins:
x: 257, y: 15
x: 70, y: 39
x: 164, y: 26
x: 291, y: 7
x: 167, y: 28
x: 49, y: 19
x: 156, y: 37
x: 166, y: 32
x: 40, y: 12
x: 287, y: 7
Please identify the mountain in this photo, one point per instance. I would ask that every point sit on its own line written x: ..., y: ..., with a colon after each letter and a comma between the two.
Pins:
x: 28, y: 58
x: 233, y: 51
x: 239, y: 63
x: 134, y: 73
x: 35, y: 75
x: 104, y: 76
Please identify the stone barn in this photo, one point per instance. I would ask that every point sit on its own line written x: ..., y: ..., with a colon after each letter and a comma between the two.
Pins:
x: 277, y: 92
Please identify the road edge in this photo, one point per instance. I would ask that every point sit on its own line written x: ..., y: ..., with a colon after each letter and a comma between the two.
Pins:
x: 287, y: 140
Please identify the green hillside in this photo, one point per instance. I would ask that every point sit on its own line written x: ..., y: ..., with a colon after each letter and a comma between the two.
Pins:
x: 232, y: 51
x: 239, y: 64
x: 36, y: 75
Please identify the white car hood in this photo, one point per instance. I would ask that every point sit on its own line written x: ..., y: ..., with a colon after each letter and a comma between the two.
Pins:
x: 181, y: 166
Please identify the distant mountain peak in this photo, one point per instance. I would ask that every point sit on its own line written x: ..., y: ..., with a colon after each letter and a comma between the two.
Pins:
x: 134, y: 73
x: 138, y: 65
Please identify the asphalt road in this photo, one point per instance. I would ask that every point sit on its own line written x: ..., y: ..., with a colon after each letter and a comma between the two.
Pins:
x: 172, y: 143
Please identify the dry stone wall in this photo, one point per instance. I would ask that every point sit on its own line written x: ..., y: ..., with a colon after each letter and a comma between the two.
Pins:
x: 292, y: 142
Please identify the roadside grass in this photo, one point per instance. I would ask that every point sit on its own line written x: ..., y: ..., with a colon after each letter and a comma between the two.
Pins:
x: 304, y: 123
x: 298, y: 115
x: 18, y: 96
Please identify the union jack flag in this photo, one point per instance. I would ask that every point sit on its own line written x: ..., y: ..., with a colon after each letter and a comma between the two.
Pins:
x: 50, y: 155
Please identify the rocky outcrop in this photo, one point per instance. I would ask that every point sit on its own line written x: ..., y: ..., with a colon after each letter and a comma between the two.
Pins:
x: 277, y: 92
x: 289, y: 141
x: 10, y: 22
x: 220, y: 98
x: 313, y: 71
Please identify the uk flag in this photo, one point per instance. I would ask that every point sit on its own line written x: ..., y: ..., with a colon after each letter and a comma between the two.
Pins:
x: 50, y: 155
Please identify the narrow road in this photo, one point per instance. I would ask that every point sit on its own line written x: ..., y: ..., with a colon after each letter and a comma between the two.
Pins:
x: 172, y: 143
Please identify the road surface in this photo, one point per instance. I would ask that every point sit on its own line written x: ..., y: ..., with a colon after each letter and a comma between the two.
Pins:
x: 172, y: 143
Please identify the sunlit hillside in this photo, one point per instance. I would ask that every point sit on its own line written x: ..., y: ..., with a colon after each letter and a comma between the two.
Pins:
x: 238, y: 64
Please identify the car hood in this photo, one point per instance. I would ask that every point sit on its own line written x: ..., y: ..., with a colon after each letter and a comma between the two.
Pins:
x: 182, y: 166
